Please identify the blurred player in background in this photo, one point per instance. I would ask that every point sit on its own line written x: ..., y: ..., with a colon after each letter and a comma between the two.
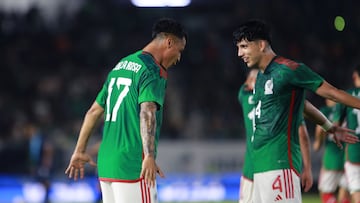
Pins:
x: 245, y: 98
x: 279, y: 106
x: 131, y: 100
x: 352, y: 151
x: 331, y: 176
x: 41, y: 155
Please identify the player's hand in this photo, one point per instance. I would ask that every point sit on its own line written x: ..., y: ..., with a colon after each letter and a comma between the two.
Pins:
x: 77, y: 163
x: 306, y: 180
x: 149, y: 171
x: 340, y: 134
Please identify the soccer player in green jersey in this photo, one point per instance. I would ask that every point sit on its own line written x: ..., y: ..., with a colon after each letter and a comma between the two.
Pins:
x: 331, y: 178
x: 352, y: 151
x: 279, y: 106
x: 245, y: 98
x: 131, y: 102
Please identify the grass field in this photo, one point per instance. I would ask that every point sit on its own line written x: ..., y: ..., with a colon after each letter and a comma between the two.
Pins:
x: 308, y: 198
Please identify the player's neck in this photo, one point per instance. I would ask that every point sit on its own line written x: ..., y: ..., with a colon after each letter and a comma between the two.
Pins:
x: 266, y: 60
x: 154, y: 50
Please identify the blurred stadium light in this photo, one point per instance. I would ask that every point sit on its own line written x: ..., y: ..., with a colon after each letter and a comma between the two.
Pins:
x: 161, y: 3
x: 49, y: 9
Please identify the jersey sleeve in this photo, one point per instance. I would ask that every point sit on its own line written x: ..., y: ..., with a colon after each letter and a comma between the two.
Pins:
x: 152, y: 89
x: 101, y: 97
x: 306, y: 78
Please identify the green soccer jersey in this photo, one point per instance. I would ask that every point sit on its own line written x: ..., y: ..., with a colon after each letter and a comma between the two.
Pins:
x: 352, y: 151
x: 333, y: 157
x: 246, y: 100
x: 135, y: 79
x: 279, y: 100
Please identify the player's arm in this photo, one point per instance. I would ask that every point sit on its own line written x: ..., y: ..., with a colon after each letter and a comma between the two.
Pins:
x: 147, y: 131
x: 341, y: 134
x: 328, y: 91
x: 319, y: 138
x: 306, y: 176
x: 79, y: 157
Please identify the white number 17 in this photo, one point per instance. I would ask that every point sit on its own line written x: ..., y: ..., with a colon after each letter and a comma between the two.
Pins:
x: 119, y: 81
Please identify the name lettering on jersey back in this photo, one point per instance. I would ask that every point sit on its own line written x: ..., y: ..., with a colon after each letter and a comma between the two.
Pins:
x: 269, y: 87
x: 128, y: 65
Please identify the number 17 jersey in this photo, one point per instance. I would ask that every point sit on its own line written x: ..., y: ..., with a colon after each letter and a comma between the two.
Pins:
x: 135, y: 79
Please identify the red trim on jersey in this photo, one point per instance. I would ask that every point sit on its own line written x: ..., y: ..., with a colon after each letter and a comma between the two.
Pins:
x: 292, y: 102
x: 289, y: 63
x: 163, y: 73
x: 118, y: 180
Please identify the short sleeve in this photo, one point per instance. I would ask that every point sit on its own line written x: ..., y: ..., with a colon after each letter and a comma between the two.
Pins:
x: 101, y: 97
x: 152, y: 89
x: 304, y: 77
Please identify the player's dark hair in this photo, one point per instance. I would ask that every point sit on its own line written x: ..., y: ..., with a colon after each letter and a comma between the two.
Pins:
x: 168, y: 25
x: 252, y: 30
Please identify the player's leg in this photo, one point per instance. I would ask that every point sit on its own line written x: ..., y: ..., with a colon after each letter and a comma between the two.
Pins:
x: 343, y: 193
x: 134, y: 192
x: 246, y: 190
x: 277, y: 186
x: 352, y: 172
x: 107, y: 192
x: 328, y: 183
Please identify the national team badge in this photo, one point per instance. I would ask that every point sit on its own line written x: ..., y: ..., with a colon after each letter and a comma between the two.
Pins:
x: 269, y: 87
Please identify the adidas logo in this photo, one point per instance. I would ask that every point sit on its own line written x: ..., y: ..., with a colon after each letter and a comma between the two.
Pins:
x: 278, y: 198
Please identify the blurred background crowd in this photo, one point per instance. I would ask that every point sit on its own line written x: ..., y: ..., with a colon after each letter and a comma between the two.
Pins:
x: 54, y: 60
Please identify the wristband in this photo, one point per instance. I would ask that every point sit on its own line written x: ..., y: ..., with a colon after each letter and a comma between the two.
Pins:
x: 327, y: 125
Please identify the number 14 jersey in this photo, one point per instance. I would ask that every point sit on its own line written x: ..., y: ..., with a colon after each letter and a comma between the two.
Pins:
x: 279, y: 103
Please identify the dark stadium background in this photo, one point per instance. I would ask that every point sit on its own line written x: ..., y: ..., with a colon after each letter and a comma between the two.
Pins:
x: 55, y: 56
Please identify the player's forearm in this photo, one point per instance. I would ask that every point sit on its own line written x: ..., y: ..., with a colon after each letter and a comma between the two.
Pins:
x: 90, y: 120
x: 148, y: 127
x: 305, y: 147
x: 339, y: 96
x: 313, y: 114
x: 319, y: 138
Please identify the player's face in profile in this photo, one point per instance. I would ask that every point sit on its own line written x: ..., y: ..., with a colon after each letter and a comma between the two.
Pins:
x: 249, y: 52
x: 173, y: 53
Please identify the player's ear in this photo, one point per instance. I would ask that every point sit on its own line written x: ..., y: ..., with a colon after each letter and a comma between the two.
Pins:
x: 262, y: 45
x: 169, y: 42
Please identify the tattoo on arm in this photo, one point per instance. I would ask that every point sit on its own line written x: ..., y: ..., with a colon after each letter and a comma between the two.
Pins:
x: 148, y: 127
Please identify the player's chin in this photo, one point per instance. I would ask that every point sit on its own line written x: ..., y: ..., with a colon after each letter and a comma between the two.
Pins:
x: 248, y: 64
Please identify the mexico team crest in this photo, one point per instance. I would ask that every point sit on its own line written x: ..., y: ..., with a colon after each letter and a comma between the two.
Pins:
x: 269, y: 87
